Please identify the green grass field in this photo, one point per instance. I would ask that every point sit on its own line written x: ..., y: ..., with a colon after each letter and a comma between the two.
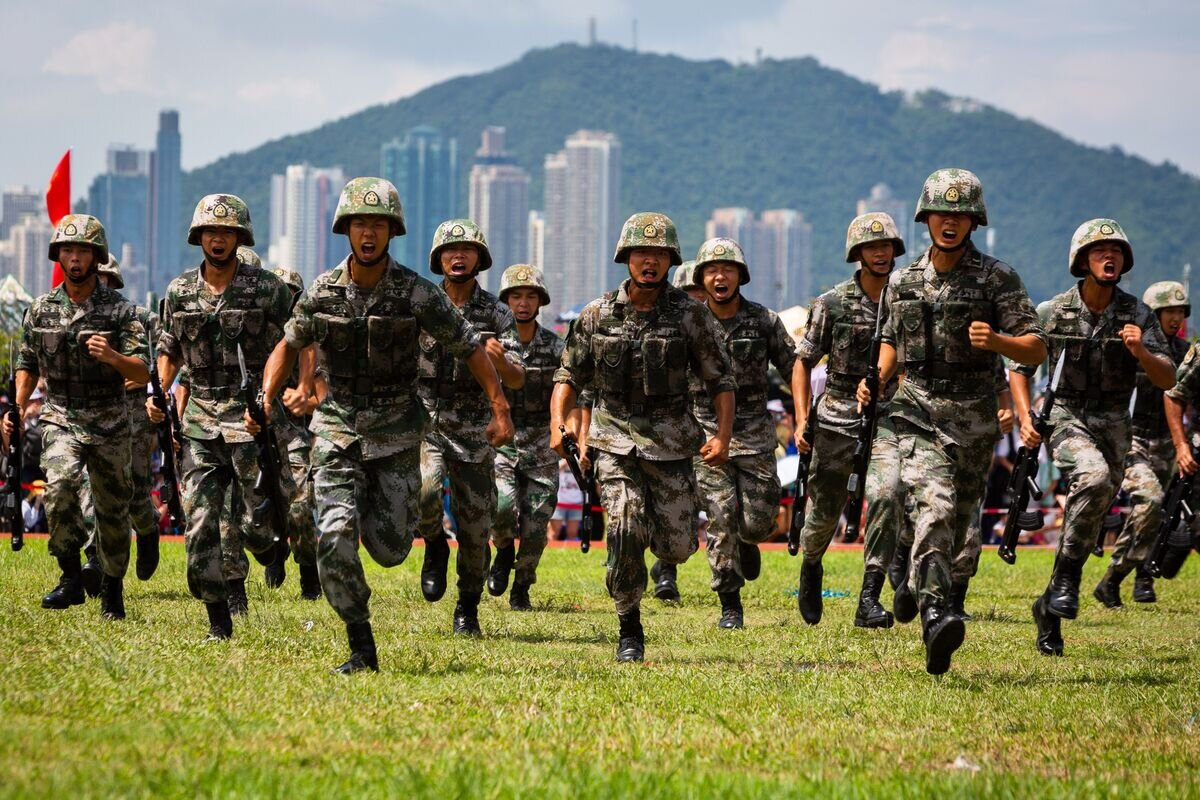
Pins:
x: 539, y: 708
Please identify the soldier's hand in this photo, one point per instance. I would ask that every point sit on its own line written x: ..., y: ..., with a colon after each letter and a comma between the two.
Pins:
x: 802, y: 444
x: 1131, y: 335
x: 982, y: 336
x: 252, y: 427
x: 99, y: 349
x: 500, y: 430
x: 155, y: 414
x: 1186, y: 461
x: 1029, y: 435
x: 296, y: 402
x: 715, y: 451
x: 864, y: 397
x: 494, y: 349
x: 1005, y: 418
x: 7, y: 427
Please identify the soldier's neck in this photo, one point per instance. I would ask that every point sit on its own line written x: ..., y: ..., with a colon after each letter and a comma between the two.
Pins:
x: 643, y: 299
x: 366, y: 277
x: 725, y: 311
x: 459, y: 293
x: 78, y: 293
x: 1095, y: 295
x: 872, y: 284
x: 218, y: 278
x: 945, y: 260
x: 527, y: 330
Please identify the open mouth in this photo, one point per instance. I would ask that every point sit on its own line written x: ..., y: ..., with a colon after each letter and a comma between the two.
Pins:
x: 650, y: 276
x: 949, y: 235
x: 368, y: 249
x: 721, y: 290
x: 1109, y: 269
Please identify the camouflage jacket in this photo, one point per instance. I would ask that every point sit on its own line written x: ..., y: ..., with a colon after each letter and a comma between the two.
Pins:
x: 636, y: 365
x: 531, y: 403
x: 84, y: 396
x: 1149, y: 419
x: 366, y: 346
x: 201, y: 330
x: 754, y: 338
x: 841, y: 324
x: 949, y: 387
x: 459, y: 410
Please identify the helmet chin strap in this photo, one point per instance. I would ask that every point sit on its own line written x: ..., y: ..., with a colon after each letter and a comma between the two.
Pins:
x: 736, y: 294
x: 460, y: 278
x: 956, y: 247
x: 221, y: 263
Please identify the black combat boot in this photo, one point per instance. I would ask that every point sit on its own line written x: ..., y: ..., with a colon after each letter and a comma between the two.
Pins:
x: 871, y: 613
x: 518, y: 598
x: 238, y: 603
x: 731, y: 610
x: 466, y: 614
x: 958, y: 597
x: 897, y: 571
x: 750, y: 559
x: 92, y: 574
x: 632, y: 644
x: 1108, y: 590
x: 147, y: 556
x: 433, y: 568
x: 665, y: 587
x: 809, y: 596
x: 362, y: 650
x: 69, y: 591
x: 1062, y: 595
x: 310, y: 582
x: 943, y: 633
x: 112, y: 598
x: 497, y: 580
x: 1143, y: 586
x: 276, y: 572
x: 1049, y: 635
x: 220, y: 623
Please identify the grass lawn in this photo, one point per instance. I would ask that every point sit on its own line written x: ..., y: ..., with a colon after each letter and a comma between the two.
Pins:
x: 539, y: 708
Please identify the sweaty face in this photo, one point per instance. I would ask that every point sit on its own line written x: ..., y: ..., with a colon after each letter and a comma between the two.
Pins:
x: 459, y: 261
x: 524, y: 303
x: 1105, y: 261
x: 369, y: 236
x: 949, y: 231
x: 219, y: 246
x: 648, y: 266
x: 878, y: 257
x: 1172, y: 319
x: 721, y: 280
x: 78, y: 261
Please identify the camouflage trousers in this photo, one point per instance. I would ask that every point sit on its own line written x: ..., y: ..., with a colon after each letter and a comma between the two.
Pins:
x: 302, y: 525
x: 65, y: 460
x: 966, y: 561
x: 472, y: 504
x: 649, y: 504
x: 1089, y: 449
x: 526, y: 498
x: 373, y: 501
x: 741, y: 498
x: 210, y: 468
x: 945, y: 485
x: 886, y: 521
x: 1147, y: 471
x: 234, y: 564
x: 142, y: 443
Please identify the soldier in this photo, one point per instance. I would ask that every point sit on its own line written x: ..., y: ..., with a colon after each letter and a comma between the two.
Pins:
x: 685, y: 278
x: 1148, y: 465
x: 85, y: 340
x: 947, y: 317
x: 741, y: 495
x: 841, y: 324
x: 247, y: 256
x: 632, y: 348
x: 1105, y: 334
x: 456, y: 446
x: 365, y: 316
x: 527, y: 470
x: 210, y: 311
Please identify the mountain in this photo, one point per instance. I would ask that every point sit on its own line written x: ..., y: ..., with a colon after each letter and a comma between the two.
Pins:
x: 698, y: 135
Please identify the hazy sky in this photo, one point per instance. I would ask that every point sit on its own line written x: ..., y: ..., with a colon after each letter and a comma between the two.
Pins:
x: 86, y: 74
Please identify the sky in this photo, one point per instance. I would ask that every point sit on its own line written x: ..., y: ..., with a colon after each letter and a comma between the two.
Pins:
x: 86, y: 74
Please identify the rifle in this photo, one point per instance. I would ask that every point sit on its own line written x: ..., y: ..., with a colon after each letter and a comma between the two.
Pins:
x: 1022, y: 484
x: 1177, y: 510
x: 587, y: 482
x: 168, y: 433
x: 857, y: 482
x: 272, y: 511
x: 11, y: 492
x: 801, y: 501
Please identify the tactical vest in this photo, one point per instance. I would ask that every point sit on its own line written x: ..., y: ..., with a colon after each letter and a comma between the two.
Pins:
x: 749, y: 354
x: 73, y: 378
x: 445, y: 377
x: 530, y: 405
x: 1099, y: 372
x: 208, y: 339
x: 850, y: 349
x: 367, y: 360
x: 635, y: 375
x: 933, y: 337
x: 1149, y: 419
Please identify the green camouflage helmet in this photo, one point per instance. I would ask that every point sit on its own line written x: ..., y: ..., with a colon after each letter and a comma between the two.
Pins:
x: 373, y: 197
x: 520, y: 276
x: 721, y: 249
x: 247, y: 256
x: 112, y: 269
x: 1091, y: 232
x: 685, y: 276
x: 453, y: 231
x: 952, y: 191
x: 222, y: 211
x: 1167, y: 294
x: 648, y: 229
x: 290, y: 277
x: 80, y: 229
x: 875, y: 226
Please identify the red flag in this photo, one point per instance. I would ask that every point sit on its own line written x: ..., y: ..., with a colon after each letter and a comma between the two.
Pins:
x: 58, y: 202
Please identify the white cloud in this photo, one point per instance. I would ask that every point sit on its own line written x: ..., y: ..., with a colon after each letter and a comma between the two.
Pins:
x: 116, y: 56
x: 286, y: 89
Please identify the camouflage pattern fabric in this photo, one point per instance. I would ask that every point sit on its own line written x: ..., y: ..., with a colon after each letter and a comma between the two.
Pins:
x: 1167, y: 294
x: 720, y: 249
x: 458, y: 231
x: 741, y: 498
x: 222, y: 211
x: 1093, y: 232
x: 875, y: 226
x: 143, y: 442
x: 369, y: 197
x: 1089, y: 448
x: 472, y: 505
x: 887, y: 523
x: 80, y: 229
x: 302, y: 526
x: 234, y: 564
x: 1147, y: 471
x: 649, y: 504
x: 648, y: 229
x: 952, y: 191
x: 530, y: 405
x: 526, y: 499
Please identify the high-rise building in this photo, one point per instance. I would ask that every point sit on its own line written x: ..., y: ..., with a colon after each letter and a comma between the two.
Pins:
x: 882, y: 199
x: 166, y: 215
x: 583, y: 187
x: 16, y: 202
x: 536, y: 253
x: 306, y: 198
x: 499, y: 204
x: 119, y: 197
x: 424, y: 168
x: 778, y: 249
x: 29, y: 245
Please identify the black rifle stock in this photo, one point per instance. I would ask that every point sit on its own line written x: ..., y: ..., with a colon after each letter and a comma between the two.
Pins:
x: 1176, y: 511
x: 587, y: 483
x: 857, y: 482
x: 801, y: 502
x: 11, y: 501
x: 168, y: 435
x: 272, y: 511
